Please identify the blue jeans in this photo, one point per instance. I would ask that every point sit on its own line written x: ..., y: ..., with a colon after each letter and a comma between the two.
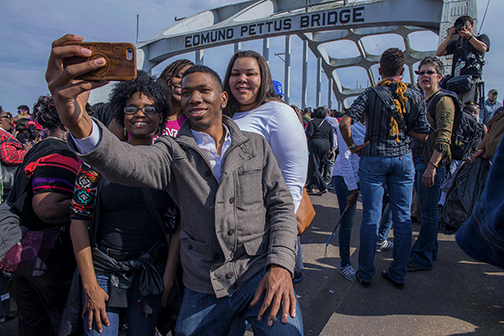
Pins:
x: 386, y: 220
x: 138, y: 324
x: 425, y: 249
x: 345, y: 228
x: 398, y: 174
x: 204, y: 314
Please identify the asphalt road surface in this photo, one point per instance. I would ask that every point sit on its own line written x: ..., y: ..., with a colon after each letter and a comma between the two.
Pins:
x: 458, y: 297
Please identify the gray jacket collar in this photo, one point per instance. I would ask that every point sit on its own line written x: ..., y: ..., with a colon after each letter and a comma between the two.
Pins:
x: 238, y: 139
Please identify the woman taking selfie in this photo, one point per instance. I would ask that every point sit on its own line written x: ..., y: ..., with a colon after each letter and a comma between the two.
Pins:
x: 124, y: 251
x: 254, y: 107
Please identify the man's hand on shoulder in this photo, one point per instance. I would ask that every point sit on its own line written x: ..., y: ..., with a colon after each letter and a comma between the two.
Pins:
x: 277, y: 285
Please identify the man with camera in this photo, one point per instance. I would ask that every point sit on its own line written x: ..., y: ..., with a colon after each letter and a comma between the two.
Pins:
x: 468, y: 56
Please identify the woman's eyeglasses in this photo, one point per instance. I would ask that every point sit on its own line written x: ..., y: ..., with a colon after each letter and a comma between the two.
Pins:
x: 134, y: 110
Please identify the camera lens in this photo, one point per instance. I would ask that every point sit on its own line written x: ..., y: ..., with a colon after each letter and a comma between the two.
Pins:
x: 459, y: 24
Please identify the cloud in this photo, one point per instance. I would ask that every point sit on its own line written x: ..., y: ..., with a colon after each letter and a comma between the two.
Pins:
x: 28, y: 28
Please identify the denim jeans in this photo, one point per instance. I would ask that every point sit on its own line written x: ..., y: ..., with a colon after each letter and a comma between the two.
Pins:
x: 425, y: 249
x: 398, y: 174
x: 204, y: 314
x: 138, y: 324
x: 386, y: 220
x: 345, y: 228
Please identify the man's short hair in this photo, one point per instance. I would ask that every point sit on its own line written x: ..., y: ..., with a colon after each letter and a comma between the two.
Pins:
x: 434, y: 61
x: 24, y: 107
x: 392, y: 62
x: 206, y: 70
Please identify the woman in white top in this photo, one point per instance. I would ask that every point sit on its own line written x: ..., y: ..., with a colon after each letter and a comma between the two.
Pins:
x: 254, y: 106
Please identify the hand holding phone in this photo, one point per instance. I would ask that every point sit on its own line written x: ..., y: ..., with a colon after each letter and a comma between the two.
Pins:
x: 70, y: 96
x: 120, y: 61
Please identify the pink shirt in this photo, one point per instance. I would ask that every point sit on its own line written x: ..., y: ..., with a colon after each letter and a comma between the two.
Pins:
x: 172, y: 126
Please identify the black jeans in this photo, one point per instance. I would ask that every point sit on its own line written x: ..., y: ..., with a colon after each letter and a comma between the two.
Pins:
x: 41, y: 299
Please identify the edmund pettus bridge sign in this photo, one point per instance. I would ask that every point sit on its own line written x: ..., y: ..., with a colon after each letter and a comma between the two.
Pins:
x: 315, y: 22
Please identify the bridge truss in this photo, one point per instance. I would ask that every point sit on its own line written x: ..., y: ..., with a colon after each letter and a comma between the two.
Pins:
x: 315, y: 22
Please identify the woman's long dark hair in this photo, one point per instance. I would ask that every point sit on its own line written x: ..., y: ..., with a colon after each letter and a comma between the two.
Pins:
x: 266, y: 90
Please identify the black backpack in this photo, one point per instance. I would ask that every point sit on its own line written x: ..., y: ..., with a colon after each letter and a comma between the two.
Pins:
x: 467, y: 131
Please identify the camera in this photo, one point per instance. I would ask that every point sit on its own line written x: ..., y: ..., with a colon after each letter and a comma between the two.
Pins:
x: 474, y: 65
x: 459, y: 24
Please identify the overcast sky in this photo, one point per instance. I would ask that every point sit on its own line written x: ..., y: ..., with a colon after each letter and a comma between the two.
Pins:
x: 29, y: 26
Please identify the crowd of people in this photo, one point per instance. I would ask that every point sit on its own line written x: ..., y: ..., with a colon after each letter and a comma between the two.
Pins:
x: 175, y: 203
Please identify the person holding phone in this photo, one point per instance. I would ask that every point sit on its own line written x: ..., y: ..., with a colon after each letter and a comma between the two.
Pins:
x: 238, y: 230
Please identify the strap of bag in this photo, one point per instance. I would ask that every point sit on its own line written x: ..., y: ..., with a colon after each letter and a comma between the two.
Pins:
x: 388, y: 101
x: 149, y: 200
x: 320, y: 124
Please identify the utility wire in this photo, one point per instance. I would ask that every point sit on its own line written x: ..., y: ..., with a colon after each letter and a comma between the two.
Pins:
x: 484, y: 16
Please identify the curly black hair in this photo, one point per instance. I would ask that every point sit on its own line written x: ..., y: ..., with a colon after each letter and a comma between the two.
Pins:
x: 32, y: 133
x: 391, y: 62
x: 155, y: 90
x: 173, y: 69
x: 46, y: 114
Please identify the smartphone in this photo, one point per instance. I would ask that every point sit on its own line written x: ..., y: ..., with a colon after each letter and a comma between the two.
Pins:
x: 121, y: 60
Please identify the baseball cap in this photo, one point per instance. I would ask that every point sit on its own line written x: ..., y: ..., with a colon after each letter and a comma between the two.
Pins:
x: 278, y: 88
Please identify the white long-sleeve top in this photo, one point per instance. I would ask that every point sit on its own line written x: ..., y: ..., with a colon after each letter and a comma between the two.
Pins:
x: 347, y: 163
x: 335, y: 125
x: 278, y: 124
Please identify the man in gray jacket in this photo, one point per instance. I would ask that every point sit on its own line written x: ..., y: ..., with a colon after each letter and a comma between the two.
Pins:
x: 238, y: 228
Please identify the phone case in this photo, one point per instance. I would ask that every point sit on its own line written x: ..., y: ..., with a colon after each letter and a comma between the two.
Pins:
x: 120, y: 57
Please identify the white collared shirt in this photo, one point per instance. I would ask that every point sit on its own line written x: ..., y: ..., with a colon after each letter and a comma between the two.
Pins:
x: 207, y: 144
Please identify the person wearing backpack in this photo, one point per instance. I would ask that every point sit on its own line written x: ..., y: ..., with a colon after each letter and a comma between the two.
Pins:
x: 394, y: 111
x: 431, y: 159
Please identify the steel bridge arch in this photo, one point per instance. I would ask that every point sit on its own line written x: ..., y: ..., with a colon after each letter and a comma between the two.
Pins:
x: 315, y: 22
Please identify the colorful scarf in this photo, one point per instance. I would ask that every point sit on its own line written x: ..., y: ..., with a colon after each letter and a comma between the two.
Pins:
x: 399, y: 102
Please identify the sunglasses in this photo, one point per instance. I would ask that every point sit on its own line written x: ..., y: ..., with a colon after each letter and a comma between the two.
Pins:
x: 430, y: 73
x: 6, y: 117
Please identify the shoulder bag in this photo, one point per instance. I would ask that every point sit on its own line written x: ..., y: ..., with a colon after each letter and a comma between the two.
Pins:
x: 305, y: 213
